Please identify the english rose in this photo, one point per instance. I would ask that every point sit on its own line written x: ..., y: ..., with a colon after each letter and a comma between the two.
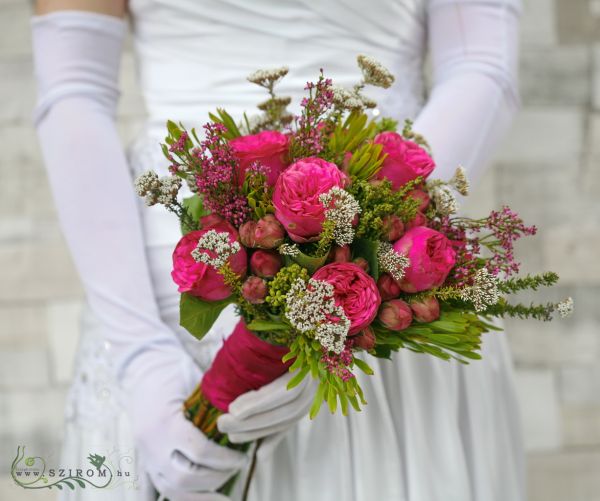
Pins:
x: 255, y: 290
x: 269, y: 148
x: 431, y: 258
x: 265, y: 263
x: 354, y: 290
x: 395, y: 314
x: 296, y: 196
x: 388, y: 287
x: 426, y: 309
x: 365, y: 339
x: 405, y: 159
x: 199, y: 279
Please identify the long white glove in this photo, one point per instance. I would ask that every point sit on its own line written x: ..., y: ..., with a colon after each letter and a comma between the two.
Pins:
x: 474, y: 52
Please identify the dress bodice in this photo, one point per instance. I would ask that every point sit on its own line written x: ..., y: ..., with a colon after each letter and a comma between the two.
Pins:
x: 194, y: 55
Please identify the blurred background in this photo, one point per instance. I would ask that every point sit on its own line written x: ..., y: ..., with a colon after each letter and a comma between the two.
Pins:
x: 548, y: 170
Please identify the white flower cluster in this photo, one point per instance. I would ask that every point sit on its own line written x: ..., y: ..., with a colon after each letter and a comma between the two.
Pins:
x: 219, y: 244
x: 391, y: 262
x: 291, y: 250
x: 443, y: 199
x: 341, y: 208
x: 459, y: 181
x: 157, y: 190
x: 266, y: 78
x: 374, y: 73
x: 347, y: 100
x: 484, y: 291
x: 565, y: 308
x: 310, y: 308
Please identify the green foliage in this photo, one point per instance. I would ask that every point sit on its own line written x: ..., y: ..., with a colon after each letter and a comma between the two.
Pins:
x: 192, y: 211
x: 259, y: 194
x: 386, y: 124
x: 350, y: 134
x: 378, y: 201
x: 225, y: 118
x: 456, y: 334
x: 537, y: 311
x: 281, y: 283
x: 332, y: 388
x: 368, y: 249
x: 311, y: 263
x: 532, y: 282
x: 366, y: 161
x: 198, y: 316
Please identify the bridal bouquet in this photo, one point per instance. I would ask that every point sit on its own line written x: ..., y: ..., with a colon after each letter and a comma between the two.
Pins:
x: 329, y: 235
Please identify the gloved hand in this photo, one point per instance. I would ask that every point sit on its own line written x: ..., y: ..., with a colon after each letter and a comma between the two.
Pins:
x: 179, y: 459
x: 268, y: 412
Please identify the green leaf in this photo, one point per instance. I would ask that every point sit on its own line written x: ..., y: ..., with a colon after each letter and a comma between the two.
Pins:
x: 368, y: 249
x: 332, y: 399
x: 198, y: 316
x: 311, y: 263
x: 267, y: 326
x: 318, y: 400
x: 297, y: 379
x: 363, y: 366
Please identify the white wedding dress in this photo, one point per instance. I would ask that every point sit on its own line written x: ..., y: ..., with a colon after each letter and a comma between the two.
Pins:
x: 432, y: 430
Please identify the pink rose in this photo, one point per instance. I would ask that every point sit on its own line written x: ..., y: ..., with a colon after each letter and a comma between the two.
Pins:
x: 393, y: 227
x: 388, y: 287
x: 419, y: 220
x: 340, y: 254
x: 395, y: 314
x: 420, y: 196
x: 365, y: 339
x: 268, y: 148
x: 269, y: 232
x: 354, y: 290
x: 405, y: 160
x: 431, y: 258
x: 254, y: 290
x: 265, y: 263
x: 426, y: 310
x: 199, y: 279
x: 296, y: 196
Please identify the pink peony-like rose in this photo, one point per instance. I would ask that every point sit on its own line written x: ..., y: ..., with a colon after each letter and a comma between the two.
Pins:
x: 269, y: 148
x: 254, y: 290
x: 199, y: 279
x: 296, y: 196
x: 265, y: 263
x: 431, y: 258
x: 354, y: 290
x: 405, y: 159
x: 395, y: 314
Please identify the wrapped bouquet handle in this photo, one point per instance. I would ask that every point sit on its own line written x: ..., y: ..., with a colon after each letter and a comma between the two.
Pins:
x: 244, y: 363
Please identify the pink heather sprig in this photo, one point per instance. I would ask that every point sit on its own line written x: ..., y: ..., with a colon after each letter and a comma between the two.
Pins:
x: 218, y: 180
x: 309, y: 136
x: 338, y: 364
x: 179, y: 145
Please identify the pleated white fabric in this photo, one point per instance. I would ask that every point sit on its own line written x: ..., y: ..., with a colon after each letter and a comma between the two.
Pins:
x: 432, y: 431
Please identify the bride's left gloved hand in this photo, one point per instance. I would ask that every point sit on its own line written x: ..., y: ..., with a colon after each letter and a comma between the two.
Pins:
x: 268, y: 412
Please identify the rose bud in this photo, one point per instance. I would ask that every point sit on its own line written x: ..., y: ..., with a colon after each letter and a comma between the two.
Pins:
x: 362, y: 262
x: 254, y: 290
x: 418, y: 220
x: 388, y: 287
x: 393, y: 227
x: 395, y: 314
x: 420, y: 196
x: 247, y: 234
x: 265, y: 263
x: 426, y: 310
x: 269, y: 233
x: 340, y: 254
x: 366, y: 339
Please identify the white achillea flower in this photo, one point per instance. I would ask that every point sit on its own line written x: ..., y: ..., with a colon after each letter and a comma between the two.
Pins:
x: 218, y: 243
x: 374, y: 73
x: 460, y: 181
x: 391, y: 262
x: 291, y: 250
x: 484, y: 291
x: 157, y: 190
x: 266, y: 78
x: 444, y: 200
x: 341, y: 208
x: 311, y: 309
x: 565, y: 308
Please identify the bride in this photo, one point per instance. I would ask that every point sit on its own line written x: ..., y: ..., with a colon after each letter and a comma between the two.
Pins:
x: 432, y: 430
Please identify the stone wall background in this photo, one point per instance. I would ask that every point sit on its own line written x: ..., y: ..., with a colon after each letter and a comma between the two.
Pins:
x: 548, y: 170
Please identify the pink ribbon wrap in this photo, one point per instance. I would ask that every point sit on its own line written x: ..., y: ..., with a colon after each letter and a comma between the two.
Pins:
x: 245, y: 362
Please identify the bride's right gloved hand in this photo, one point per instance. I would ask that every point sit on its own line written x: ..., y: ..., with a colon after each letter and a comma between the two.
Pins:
x: 180, y: 460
